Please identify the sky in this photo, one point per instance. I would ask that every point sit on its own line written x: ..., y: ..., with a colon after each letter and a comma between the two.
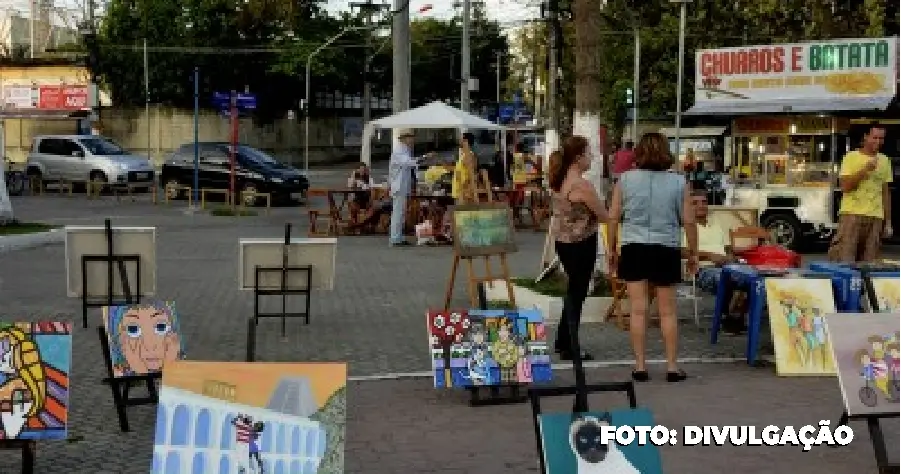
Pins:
x: 510, y: 13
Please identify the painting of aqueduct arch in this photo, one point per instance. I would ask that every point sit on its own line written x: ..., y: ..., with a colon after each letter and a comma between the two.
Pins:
x: 212, y: 415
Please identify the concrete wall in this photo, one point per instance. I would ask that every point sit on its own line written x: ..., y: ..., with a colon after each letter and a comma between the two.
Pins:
x: 165, y: 129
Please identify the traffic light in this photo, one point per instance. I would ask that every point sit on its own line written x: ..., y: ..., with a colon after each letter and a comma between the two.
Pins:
x: 629, y: 99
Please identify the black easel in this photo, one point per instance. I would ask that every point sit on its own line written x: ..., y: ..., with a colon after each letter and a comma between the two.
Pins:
x: 283, y: 291
x: 121, y: 386
x: 876, y: 438
x: 504, y: 394
x: 537, y: 393
x: 28, y: 448
x: 111, y: 259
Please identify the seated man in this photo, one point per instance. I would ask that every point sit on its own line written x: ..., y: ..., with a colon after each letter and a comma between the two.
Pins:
x: 360, y: 178
x: 714, y: 251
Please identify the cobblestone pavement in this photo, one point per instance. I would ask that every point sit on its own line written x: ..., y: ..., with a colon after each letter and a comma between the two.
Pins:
x: 373, y: 320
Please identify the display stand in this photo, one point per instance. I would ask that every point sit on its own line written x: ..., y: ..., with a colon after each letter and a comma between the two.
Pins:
x: 473, y: 280
x: 121, y: 386
x: 876, y: 438
x: 283, y: 291
x: 111, y: 259
x: 29, y: 451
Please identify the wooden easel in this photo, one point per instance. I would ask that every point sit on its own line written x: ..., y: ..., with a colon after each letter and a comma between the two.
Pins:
x: 474, y: 280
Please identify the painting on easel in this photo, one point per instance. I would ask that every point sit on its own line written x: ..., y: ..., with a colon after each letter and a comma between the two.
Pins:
x: 488, y: 348
x: 483, y: 229
x: 35, y: 359
x: 143, y: 337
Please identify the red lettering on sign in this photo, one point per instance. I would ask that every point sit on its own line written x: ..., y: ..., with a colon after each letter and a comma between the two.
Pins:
x: 796, y: 58
x: 63, y: 98
x: 763, y: 60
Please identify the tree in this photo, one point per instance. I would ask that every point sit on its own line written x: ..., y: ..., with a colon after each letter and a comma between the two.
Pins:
x: 587, y: 116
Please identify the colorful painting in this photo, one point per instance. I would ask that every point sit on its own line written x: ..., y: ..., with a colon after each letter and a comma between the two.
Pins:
x: 797, y: 309
x: 571, y: 444
x: 143, y: 337
x: 866, y: 350
x: 488, y: 347
x: 483, y: 229
x: 886, y: 291
x: 34, y: 380
x: 250, y: 418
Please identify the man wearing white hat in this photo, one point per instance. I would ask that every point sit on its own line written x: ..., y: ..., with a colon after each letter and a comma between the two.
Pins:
x: 400, y: 176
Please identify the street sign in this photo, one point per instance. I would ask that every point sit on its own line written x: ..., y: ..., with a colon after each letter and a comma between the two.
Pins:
x: 507, y: 111
x: 242, y: 101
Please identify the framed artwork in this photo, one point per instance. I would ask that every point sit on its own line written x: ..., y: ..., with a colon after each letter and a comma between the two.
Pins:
x: 250, y: 417
x: 866, y: 351
x: 35, y: 361
x: 797, y: 310
x: 883, y: 294
x: 143, y: 337
x: 482, y: 229
x: 488, y: 347
x: 320, y: 253
x: 571, y: 444
x: 91, y: 240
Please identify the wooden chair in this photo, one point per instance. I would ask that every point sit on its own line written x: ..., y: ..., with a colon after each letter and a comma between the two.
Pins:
x: 619, y: 294
x: 757, y: 234
x: 317, y: 216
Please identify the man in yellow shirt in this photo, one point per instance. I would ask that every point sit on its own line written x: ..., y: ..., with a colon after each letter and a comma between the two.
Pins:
x: 713, y: 246
x: 865, y: 211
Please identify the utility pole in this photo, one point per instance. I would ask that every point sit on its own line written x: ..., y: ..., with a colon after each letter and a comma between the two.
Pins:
x: 90, y: 36
x: 497, y: 91
x: 367, y: 9
x: 465, y: 57
x: 401, y: 45
x: 681, y: 72
x: 636, y: 81
x: 553, y: 108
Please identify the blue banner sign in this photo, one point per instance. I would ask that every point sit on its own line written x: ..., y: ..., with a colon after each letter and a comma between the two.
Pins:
x: 222, y: 100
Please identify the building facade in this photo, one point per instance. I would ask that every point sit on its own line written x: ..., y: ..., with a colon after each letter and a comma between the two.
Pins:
x: 195, y: 435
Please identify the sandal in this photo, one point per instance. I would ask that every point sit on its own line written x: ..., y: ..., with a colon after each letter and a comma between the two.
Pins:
x: 676, y: 376
x: 640, y: 375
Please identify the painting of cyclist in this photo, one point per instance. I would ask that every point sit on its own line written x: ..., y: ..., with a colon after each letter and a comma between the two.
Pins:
x: 893, y: 362
x: 867, y: 371
x: 792, y: 318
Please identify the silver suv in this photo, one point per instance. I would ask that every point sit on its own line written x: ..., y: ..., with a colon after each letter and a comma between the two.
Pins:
x: 83, y: 158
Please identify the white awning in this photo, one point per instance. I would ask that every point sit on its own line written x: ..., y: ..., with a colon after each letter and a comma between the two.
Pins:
x: 747, y: 107
x: 692, y: 132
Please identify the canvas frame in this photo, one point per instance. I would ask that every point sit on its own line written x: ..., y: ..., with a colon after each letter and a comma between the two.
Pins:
x: 828, y: 282
x: 82, y: 241
x: 537, y: 393
x: 872, y: 299
x: 466, y: 251
x: 267, y: 253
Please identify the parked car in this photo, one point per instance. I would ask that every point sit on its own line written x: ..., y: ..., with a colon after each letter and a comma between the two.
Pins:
x: 83, y: 158
x: 255, y: 172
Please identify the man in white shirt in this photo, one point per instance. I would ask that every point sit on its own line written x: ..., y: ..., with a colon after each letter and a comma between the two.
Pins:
x: 713, y: 246
x: 400, y: 177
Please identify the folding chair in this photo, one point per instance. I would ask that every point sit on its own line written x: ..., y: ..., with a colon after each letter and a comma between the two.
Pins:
x: 619, y: 294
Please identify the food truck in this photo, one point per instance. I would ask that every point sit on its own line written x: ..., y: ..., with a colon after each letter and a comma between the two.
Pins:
x: 795, y: 110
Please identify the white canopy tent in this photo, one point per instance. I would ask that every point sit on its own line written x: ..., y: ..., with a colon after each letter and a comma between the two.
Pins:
x: 434, y: 115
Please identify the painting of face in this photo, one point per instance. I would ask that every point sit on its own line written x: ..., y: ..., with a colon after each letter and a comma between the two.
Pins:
x: 142, y: 338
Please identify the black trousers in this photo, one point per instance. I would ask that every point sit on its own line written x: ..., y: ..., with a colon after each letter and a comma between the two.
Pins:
x: 578, y: 259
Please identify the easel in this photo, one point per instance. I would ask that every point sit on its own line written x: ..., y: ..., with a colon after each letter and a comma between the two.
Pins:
x: 121, y: 386
x: 29, y: 452
x: 110, y: 259
x: 580, y: 390
x: 474, y: 281
x: 284, y: 291
x: 876, y: 438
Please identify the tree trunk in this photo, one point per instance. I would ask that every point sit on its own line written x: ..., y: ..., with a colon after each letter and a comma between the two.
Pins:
x: 587, y: 113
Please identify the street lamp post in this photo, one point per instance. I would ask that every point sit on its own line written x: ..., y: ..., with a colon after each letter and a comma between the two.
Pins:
x: 306, y: 100
x: 682, y: 7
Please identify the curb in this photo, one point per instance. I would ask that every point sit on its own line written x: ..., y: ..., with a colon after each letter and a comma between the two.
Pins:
x: 11, y: 243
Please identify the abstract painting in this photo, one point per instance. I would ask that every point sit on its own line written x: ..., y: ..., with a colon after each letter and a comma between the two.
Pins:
x: 866, y: 350
x: 572, y: 444
x: 488, y: 347
x: 142, y: 337
x: 886, y: 291
x: 34, y: 380
x: 483, y: 229
x: 797, y: 310
x: 250, y: 418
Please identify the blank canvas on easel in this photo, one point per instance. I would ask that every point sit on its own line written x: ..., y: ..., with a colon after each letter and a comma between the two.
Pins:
x: 320, y: 253
x: 91, y: 240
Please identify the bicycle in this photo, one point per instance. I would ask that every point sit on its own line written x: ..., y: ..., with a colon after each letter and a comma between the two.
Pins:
x: 867, y: 394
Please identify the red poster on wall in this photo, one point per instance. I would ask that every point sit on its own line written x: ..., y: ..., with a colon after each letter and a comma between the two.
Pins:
x: 63, y: 98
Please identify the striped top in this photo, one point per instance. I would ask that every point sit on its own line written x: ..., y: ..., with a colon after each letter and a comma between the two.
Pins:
x: 243, y: 431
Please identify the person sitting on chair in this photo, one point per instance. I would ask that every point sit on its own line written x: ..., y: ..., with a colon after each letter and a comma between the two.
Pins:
x: 360, y: 179
x: 713, y: 249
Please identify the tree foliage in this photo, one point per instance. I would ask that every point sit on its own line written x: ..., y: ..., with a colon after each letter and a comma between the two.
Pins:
x: 184, y: 34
